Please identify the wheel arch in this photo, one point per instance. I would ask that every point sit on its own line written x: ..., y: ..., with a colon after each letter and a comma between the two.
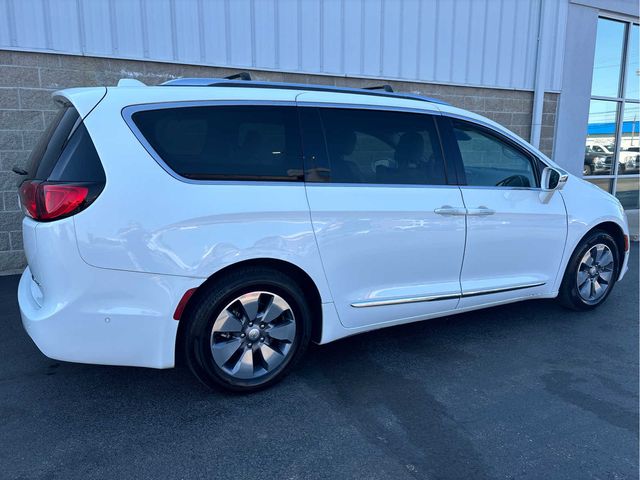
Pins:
x: 616, y: 231
x: 309, y: 287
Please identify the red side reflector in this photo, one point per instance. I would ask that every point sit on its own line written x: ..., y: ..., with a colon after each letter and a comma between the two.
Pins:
x: 183, y: 303
x: 626, y: 243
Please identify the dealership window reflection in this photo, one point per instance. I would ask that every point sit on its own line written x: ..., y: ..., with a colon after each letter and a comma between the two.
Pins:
x: 612, y: 148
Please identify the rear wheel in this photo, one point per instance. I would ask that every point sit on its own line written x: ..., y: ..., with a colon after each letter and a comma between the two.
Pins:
x: 591, y: 273
x: 248, y: 330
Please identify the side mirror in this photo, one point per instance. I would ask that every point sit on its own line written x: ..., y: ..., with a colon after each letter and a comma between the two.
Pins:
x: 552, y: 180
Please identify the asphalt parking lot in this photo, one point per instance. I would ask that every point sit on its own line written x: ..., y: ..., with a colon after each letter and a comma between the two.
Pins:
x: 528, y: 390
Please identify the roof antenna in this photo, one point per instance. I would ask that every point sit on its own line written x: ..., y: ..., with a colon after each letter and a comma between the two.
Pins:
x: 239, y: 76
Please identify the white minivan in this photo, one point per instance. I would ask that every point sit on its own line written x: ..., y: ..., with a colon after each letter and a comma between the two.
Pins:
x: 229, y: 222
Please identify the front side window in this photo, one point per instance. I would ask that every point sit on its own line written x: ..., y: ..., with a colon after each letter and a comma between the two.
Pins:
x: 491, y: 162
x: 225, y: 142
x: 382, y: 147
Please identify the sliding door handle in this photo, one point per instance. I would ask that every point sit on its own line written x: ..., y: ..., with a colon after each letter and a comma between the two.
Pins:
x: 482, y: 210
x: 449, y: 210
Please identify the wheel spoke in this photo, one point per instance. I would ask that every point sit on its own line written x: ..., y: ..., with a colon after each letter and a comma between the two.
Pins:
x: 598, y: 290
x: 605, y: 276
x: 583, y: 276
x: 283, y: 331
x: 277, y: 306
x: 227, y: 323
x: 585, y: 289
x: 250, y: 303
x: 271, y: 357
x: 607, y: 259
x: 244, y: 367
x: 223, y: 351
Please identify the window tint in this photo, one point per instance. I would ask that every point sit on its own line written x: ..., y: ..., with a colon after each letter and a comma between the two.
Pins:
x: 368, y: 146
x: 47, y: 151
x: 489, y: 161
x: 226, y: 142
x: 65, y: 152
x: 79, y: 160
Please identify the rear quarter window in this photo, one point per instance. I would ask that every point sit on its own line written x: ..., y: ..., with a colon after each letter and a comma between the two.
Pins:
x: 225, y: 142
x: 65, y: 152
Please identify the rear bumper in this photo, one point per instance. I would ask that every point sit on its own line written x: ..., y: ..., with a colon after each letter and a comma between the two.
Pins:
x: 79, y: 313
x: 114, y: 318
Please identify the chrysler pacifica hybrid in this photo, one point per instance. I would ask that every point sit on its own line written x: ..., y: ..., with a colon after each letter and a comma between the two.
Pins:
x: 227, y: 223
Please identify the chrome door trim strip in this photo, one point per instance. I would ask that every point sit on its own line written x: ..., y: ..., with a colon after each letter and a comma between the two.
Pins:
x: 401, y: 300
x: 475, y: 293
x: 446, y: 296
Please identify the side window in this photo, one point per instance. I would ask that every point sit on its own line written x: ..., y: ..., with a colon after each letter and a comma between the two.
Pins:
x: 225, y: 142
x: 382, y: 147
x: 491, y: 162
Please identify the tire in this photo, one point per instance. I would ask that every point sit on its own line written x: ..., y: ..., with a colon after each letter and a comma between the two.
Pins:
x: 587, y: 170
x: 586, y: 272
x: 219, y: 327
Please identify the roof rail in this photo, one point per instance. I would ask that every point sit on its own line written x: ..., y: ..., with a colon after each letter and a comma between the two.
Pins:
x: 239, y: 76
x: 226, y: 82
x: 386, y: 87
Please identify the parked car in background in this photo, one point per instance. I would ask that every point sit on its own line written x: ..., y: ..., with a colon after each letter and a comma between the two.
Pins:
x: 227, y: 223
x: 596, y: 162
x: 629, y: 160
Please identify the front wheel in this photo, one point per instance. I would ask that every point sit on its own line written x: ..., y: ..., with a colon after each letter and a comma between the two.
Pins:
x: 247, y: 330
x: 591, y: 272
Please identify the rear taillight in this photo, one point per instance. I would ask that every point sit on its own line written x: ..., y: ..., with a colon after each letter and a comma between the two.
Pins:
x: 46, y: 201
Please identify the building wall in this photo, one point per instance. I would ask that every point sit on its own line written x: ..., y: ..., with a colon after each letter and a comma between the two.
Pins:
x: 28, y: 79
x: 488, y: 43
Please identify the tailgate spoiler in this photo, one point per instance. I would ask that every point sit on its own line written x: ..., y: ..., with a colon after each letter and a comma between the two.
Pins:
x: 83, y: 99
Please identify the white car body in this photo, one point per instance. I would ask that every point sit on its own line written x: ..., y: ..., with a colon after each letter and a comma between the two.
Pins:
x: 102, y: 285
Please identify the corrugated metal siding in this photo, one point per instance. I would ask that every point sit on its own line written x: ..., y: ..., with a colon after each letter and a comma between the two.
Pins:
x: 490, y: 43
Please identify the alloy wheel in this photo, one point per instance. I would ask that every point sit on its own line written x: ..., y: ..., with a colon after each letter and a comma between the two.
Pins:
x: 595, y: 273
x: 253, y: 335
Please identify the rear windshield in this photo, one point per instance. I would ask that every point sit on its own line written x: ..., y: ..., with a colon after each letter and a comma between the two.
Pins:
x: 65, y: 152
x: 225, y: 142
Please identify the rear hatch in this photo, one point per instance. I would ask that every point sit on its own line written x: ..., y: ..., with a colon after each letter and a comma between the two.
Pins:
x: 64, y: 176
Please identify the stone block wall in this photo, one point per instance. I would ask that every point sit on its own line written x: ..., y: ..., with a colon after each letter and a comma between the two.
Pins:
x: 27, y: 81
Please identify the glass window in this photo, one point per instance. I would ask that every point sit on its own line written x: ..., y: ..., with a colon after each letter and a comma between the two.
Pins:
x: 226, y: 142
x: 615, y: 119
x: 608, y: 58
x: 627, y: 192
x: 601, y: 138
x: 46, y: 153
x: 383, y: 147
x: 629, y: 158
x: 632, y: 80
x: 488, y: 161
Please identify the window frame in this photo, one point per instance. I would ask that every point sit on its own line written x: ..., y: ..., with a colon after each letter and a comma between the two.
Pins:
x: 621, y: 100
x: 128, y: 112
x: 537, y: 164
x: 316, y: 149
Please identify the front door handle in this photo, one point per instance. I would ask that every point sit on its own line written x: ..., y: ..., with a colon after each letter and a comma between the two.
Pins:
x: 481, y: 210
x: 449, y: 210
